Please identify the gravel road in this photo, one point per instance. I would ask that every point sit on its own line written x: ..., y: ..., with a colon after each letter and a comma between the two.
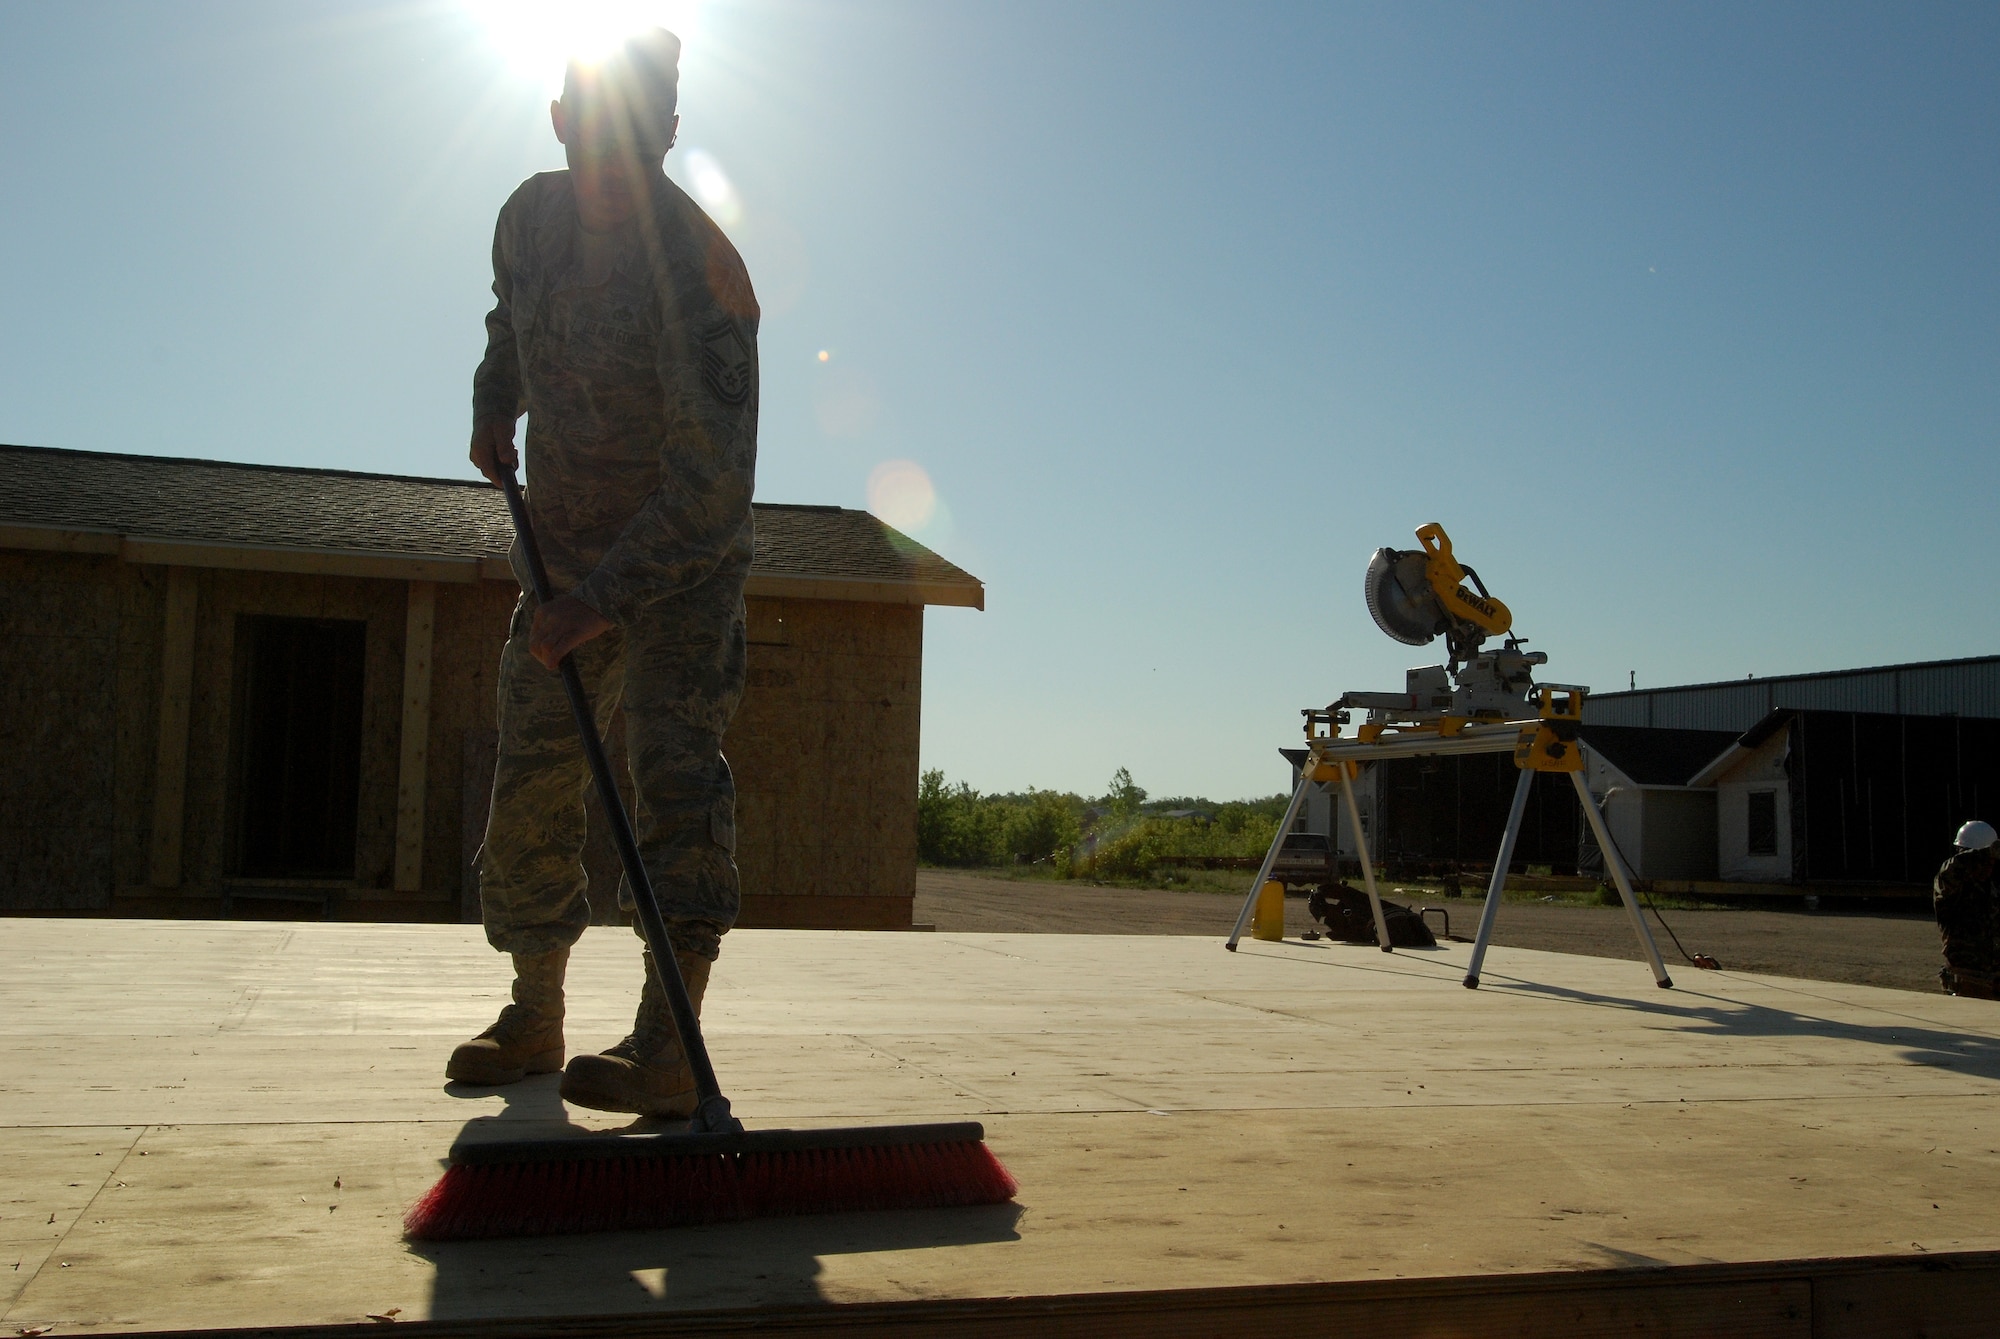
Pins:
x: 1874, y: 949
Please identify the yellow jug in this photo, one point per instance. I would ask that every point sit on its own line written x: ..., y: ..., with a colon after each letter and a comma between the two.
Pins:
x: 1269, y: 921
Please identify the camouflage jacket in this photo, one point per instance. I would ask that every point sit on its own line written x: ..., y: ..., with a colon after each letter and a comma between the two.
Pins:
x: 634, y: 355
x: 1962, y: 898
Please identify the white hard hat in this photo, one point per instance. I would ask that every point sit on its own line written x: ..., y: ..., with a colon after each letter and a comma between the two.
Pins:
x: 1976, y: 836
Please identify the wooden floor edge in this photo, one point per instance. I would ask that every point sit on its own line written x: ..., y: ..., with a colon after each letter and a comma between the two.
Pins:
x: 1814, y: 1299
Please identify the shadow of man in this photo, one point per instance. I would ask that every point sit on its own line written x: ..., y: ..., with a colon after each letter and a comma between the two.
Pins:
x: 464, y: 1274
x: 770, y: 1263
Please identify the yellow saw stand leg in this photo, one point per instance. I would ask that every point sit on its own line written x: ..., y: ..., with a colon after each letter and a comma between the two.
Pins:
x: 1347, y: 771
x: 1551, y: 745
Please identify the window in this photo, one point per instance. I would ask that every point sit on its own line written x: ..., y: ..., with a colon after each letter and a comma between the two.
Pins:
x: 299, y: 747
x: 1763, y: 822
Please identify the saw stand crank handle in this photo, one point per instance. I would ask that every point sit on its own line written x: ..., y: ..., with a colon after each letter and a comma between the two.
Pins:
x: 711, y: 1114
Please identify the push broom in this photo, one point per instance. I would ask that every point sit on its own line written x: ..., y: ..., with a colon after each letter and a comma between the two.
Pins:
x: 716, y: 1170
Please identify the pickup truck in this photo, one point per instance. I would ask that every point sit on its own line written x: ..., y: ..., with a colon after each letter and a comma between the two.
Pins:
x: 1306, y: 857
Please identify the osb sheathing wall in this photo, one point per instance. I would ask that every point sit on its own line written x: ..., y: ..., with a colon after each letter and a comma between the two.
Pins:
x: 824, y: 752
x: 471, y: 627
x: 209, y: 826
x: 470, y: 624
x: 824, y: 747
x: 62, y: 737
x: 81, y: 642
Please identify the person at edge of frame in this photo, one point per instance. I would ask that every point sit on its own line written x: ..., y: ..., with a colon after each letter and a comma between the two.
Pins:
x: 1962, y: 898
x: 625, y: 328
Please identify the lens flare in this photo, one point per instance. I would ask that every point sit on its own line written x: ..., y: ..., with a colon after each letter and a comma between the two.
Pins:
x: 537, y: 38
x: 712, y: 187
x: 901, y: 493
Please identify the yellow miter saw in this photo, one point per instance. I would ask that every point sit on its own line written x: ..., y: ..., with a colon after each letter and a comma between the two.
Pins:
x: 1419, y: 595
x: 1479, y: 701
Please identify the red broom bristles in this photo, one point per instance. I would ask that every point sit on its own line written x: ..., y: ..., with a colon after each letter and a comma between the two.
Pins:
x: 674, y: 1190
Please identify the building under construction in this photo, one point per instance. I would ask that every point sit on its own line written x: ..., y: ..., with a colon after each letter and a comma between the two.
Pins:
x: 246, y: 690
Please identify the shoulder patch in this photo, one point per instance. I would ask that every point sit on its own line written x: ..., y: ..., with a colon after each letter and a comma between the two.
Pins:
x: 728, y: 367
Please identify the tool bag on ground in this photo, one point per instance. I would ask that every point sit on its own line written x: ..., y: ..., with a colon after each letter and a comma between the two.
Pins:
x: 1345, y: 914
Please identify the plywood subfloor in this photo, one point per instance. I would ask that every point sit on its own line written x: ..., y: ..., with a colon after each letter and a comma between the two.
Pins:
x: 221, y: 1124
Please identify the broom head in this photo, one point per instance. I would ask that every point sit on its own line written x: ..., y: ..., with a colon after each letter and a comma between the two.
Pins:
x: 618, y: 1182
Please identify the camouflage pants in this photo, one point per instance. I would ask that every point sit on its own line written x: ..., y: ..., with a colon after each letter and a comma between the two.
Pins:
x: 679, y: 675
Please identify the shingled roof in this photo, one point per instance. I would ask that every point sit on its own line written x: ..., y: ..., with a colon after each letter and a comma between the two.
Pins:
x: 218, y: 513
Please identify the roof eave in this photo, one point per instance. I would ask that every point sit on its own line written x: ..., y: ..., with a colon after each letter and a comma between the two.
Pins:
x: 1746, y: 743
x: 300, y: 560
x: 393, y: 565
x: 869, y: 590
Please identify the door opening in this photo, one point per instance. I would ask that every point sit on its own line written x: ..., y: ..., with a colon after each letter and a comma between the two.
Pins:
x: 299, y: 742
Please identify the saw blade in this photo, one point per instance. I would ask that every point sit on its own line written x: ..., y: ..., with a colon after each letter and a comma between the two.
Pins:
x: 1400, y: 599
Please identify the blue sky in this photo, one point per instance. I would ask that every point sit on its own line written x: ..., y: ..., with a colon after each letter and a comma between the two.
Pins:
x: 1680, y: 318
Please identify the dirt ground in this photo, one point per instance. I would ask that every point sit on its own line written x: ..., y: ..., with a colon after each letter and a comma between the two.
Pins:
x: 1876, y: 948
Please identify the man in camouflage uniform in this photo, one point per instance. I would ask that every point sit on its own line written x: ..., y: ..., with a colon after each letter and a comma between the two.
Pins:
x: 1962, y: 899
x: 626, y: 330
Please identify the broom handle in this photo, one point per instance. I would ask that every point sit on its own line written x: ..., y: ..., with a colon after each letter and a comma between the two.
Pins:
x: 711, y: 1107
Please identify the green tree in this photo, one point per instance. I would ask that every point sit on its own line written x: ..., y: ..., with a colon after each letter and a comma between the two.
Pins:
x: 1124, y: 797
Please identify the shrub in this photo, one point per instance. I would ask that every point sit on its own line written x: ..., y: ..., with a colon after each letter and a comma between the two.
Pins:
x: 1043, y: 828
x: 1130, y: 850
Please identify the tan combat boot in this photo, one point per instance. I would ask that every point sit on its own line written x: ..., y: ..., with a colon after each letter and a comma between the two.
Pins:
x: 647, y: 1073
x: 527, y: 1037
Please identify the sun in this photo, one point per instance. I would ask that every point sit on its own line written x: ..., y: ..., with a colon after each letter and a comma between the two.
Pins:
x: 537, y: 38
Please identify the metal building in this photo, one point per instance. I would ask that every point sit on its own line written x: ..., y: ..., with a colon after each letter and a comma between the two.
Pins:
x: 1849, y: 797
x: 1663, y: 824
x: 1969, y: 687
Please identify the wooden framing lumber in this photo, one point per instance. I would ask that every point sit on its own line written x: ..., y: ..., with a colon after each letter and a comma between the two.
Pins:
x: 56, y: 539
x: 778, y: 585
x: 302, y: 561
x: 1844, y: 1298
x: 824, y: 911
x: 788, y: 586
x: 171, y: 755
x: 419, y: 625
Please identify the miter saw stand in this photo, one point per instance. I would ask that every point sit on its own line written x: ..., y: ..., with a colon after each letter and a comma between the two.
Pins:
x: 1483, y: 702
x: 1547, y: 743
